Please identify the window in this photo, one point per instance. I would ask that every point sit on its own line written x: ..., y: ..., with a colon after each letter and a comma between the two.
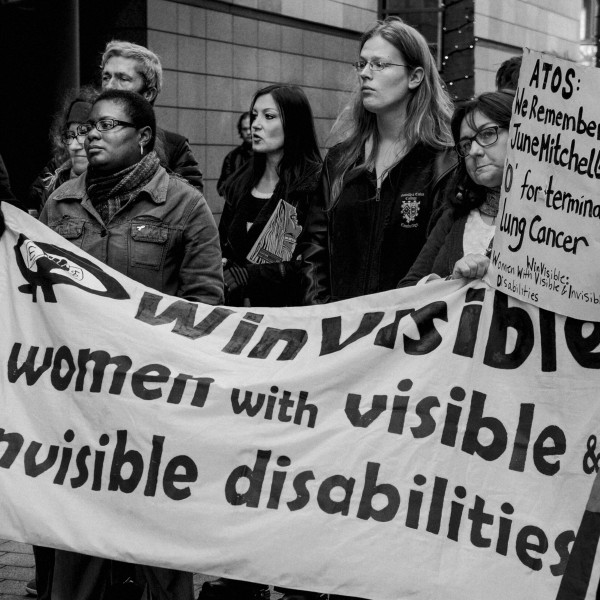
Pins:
x: 587, y: 21
x: 588, y: 33
x: 423, y: 15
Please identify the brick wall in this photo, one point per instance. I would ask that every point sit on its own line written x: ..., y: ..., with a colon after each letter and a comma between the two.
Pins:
x: 503, y: 28
x: 216, y: 55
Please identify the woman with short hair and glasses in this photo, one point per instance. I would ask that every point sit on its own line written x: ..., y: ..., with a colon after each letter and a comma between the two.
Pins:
x: 68, y: 154
x: 460, y: 242
x: 380, y: 185
x: 128, y: 212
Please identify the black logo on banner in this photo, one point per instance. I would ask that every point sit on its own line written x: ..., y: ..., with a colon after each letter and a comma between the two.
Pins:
x: 46, y: 265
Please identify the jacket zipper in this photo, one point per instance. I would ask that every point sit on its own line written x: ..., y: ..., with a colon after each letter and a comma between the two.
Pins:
x: 374, y: 223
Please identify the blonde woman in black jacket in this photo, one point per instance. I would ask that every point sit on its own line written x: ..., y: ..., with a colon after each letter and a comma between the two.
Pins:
x: 383, y: 182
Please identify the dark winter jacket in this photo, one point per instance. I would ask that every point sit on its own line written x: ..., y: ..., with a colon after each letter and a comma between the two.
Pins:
x: 273, y: 284
x: 234, y: 160
x: 443, y: 248
x: 369, y: 239
x: 176, y: 155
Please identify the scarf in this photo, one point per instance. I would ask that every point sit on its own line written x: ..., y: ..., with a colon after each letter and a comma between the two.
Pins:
x: 491, y: 203
x: 110, y: 193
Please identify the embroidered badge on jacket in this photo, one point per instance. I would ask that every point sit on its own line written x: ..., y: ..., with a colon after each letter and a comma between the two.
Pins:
x: 410, y: 210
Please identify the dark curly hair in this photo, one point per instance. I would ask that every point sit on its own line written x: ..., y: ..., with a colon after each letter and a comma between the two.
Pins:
x: 497, y: 106
x: 60, y: 122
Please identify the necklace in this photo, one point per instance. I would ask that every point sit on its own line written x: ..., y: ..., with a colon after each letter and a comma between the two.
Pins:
x: 491, y: 203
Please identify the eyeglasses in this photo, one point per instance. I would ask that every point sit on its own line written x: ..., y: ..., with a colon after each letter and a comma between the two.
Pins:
x: 374, y: 65
x: 484, y: 137
x: 102, y: 125
x: 68, y: 136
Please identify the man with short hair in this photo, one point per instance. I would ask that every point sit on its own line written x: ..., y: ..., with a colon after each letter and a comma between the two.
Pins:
x: 129, y: 66
x: 507, y: 75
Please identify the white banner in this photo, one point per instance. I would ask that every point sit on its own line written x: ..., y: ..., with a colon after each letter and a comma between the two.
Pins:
x: 547, y: 245
x: 425, y: 443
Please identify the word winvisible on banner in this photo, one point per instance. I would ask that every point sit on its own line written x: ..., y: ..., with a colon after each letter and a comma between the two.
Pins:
x: 445, y: 436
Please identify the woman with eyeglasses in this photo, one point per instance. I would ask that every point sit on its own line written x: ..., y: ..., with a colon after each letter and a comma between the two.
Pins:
x: 127, y: 211
x: 69, y: 159
x: 460, y: 243
x: 380, y: 185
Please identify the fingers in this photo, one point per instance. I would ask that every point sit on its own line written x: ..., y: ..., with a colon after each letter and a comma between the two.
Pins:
x: 228, y: 279
x: 471, y: 266
x: 235, y: 277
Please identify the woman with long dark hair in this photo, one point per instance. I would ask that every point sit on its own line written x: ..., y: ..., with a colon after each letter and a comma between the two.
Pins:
x: 267, y: 201
x: 381, y: 183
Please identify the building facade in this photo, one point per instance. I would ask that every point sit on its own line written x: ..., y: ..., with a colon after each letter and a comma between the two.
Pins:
x: 503, y: 28
x: 216, y: 54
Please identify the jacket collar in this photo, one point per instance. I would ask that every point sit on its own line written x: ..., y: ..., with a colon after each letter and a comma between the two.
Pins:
x: 155, y: 189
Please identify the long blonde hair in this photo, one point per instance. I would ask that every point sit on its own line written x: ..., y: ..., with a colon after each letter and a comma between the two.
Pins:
x: 428, y: 112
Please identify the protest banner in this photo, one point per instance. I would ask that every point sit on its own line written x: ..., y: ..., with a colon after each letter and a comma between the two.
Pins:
x: 432, y: 442
x: 548, y: 237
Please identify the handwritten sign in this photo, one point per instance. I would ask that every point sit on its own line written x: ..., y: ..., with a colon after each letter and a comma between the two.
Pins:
x: 428, y: 442
x: 547, y: 243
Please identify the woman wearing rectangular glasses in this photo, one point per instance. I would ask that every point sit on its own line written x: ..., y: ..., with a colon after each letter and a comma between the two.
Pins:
x: 129, y: 212
x: 460, y: 241
x: 68, y: 154
x: 380, y: 185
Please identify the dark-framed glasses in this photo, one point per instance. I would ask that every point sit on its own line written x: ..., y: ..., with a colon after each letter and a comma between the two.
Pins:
x: 102, y: 125
x: 484, y: 137
x: 374, y: 65
x: 68, y: 136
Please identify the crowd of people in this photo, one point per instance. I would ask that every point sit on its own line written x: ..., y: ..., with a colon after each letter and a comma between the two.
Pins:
x: 409, y: 193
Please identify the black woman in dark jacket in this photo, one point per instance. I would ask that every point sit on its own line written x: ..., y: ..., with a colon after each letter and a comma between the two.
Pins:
x: 266, y: 202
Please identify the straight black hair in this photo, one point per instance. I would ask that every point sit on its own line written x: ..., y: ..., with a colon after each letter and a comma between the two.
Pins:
x: 301, y: 157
